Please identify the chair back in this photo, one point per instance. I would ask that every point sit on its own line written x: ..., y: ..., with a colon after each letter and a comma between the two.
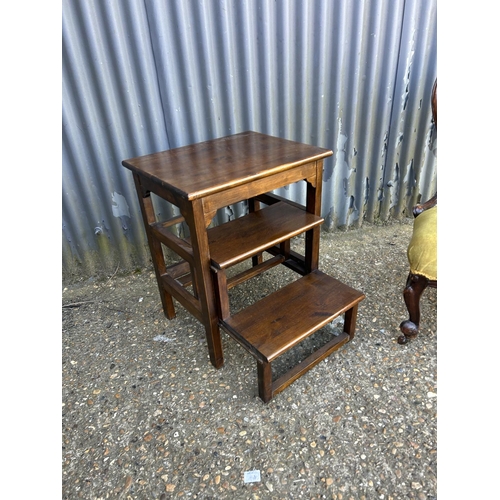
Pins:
x: 434, y: 103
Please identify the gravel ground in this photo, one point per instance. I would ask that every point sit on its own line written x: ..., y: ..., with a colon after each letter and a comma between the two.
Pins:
x: 146, y: 416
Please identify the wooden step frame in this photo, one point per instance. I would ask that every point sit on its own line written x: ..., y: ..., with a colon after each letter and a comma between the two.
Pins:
x: 268, y: 229
x: 272, y: 326
x: 271, y: 228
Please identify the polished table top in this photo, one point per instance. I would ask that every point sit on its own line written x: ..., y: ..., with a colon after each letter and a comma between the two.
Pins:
x: 212, y: 166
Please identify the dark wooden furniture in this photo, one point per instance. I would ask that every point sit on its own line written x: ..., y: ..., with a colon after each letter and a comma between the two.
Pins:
x: 417, y: 282
x: 200, y: 179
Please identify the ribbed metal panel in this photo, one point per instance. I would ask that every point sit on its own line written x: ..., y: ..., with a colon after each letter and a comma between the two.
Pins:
x: 354, y: 76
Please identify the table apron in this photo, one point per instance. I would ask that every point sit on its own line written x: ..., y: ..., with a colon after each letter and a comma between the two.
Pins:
x: 213, y: 202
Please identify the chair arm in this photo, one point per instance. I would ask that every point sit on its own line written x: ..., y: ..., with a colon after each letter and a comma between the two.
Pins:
x: 421, y: 207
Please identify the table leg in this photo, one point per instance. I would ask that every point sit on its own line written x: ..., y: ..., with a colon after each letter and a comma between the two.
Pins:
x: 313, y: 205
x: 155, y: 248
x: 203, y: 276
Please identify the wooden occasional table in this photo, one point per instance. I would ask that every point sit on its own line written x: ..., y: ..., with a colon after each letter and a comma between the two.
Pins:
x: 201, y: 178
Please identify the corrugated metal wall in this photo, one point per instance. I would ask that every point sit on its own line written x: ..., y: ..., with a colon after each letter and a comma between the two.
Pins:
x: 140, y: 76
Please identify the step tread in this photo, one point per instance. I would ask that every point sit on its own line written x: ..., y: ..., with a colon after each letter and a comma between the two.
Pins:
x: 246, y: 236
x: 275, y: 324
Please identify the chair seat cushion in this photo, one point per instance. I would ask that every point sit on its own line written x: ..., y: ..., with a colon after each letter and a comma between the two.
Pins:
x: 422, y: 250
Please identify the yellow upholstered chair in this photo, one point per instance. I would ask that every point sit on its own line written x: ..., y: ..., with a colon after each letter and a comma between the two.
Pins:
x: 422, y: 254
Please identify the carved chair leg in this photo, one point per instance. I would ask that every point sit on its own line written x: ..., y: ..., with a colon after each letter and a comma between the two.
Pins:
x: 415, y: 286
